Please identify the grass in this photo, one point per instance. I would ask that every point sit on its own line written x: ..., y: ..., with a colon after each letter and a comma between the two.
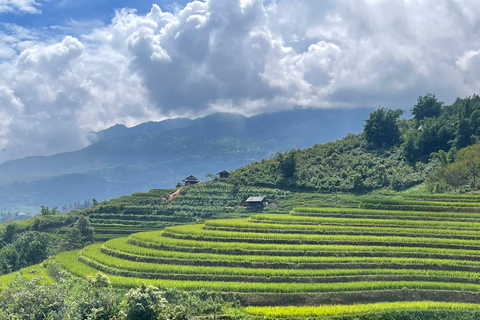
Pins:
x: 93, y: 253
x: 308, y: 211
x: 339, y: 310
x: 27, y: 273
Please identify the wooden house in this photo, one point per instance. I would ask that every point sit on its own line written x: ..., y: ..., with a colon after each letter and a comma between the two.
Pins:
x: 190, y: 180
x: 223, y: 174
x: 256, y: 202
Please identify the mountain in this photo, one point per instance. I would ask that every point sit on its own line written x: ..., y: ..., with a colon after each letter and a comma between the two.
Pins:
x: 159, y: 154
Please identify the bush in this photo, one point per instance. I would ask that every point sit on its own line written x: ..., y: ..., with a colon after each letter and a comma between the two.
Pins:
x: 144, y: 303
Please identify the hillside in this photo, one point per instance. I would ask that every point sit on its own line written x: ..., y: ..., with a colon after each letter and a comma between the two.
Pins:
x: 313, y: 256
x: 158, y: 155
x: 391, y: 152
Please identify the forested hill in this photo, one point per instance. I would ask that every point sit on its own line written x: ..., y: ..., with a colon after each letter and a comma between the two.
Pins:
x: 391, y: 152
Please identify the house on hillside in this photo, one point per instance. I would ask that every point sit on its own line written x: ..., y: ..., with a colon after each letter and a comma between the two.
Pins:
x: 223, y: 174
x: 256, y: 202
x: 190, y: 180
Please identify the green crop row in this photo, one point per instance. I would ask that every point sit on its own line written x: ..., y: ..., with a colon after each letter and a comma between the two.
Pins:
x: 241, y: 225
x: 156, y: 240
x: 384, y: 213
x: 442, y: 197
x: 314, y: 263
x: 68, y: 259
x: 340, y: 310
x: 196, y: 232
x: 314, y: 220
x: 93, y: 253
x: 143, y: 218
x: 122, y: 223
x: 428, y: 209
x: 340, y: 254
x: 420, y: 203
x: 112, y: 269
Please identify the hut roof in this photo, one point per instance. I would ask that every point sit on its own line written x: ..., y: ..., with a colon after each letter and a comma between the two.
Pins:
x: 256, y: 199
x: 190, y: 178
x: 224, y: 171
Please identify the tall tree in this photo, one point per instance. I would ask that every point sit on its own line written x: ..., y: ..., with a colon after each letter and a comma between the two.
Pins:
x: 381, y: 129
x: 426, y: 107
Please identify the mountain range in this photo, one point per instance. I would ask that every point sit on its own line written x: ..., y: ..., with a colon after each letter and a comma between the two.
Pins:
x: 159, y: 154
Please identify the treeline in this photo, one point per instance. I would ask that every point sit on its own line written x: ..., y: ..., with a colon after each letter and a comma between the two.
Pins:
x: 391, y: 152
x: 20, y: 248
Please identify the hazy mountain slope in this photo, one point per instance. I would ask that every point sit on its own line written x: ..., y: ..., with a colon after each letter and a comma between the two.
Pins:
x: 157, y: 155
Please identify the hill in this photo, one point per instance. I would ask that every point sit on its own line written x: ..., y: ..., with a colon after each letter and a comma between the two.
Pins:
x: 157, y: 155
x: 391, y: 152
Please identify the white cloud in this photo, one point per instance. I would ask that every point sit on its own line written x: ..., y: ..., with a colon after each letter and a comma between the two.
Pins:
x: 23, y: 6
x: 247, y: 56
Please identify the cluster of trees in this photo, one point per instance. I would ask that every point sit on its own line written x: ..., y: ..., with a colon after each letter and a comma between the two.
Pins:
x: 391, y: 152
x: 24, y: 249
x: 458, y: 169
x: 95, y: 299
x: 349, y: 165
x: 19, y: 248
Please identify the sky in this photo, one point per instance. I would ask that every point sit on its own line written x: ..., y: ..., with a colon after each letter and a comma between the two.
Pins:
x: 72, y: 67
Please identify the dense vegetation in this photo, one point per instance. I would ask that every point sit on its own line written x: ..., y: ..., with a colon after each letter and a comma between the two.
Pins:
x: 34, y: 295
x: 391, y: 152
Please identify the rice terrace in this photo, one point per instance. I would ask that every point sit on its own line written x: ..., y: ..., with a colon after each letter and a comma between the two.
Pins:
x: 351, y: 263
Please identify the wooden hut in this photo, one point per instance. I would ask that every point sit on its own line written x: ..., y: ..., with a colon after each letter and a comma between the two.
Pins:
x: 256, y: 202
x: 223, y: 174
x: 190, y: 180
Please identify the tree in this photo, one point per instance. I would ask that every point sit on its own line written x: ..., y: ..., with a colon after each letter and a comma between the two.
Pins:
x: 45, y: 211
x: 455, y: 174
x: 426, y: 107
x: 286, y: 163
x: 9, y: 233
x: 95, y: 202
x: 470, y: 158
x: 80, y: 234
x: 211, y: 176
x: 381, y: 129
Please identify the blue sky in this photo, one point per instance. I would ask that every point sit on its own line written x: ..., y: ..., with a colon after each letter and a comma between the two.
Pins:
x: 68, y: 68
x: 86, y: 13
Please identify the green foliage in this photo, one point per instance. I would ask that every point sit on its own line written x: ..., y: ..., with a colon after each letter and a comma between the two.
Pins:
x: 45, y: 211
x: 463, y: 171
x: 345, y: 165
x: 381, y: 129
x: 144, y: 303
x: 27, y: 300
x: 427, y: 106
x: 79, y: 235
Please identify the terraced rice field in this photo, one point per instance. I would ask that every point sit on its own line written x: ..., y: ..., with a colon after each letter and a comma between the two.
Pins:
x: 311, y: 256
x: 156, y: 209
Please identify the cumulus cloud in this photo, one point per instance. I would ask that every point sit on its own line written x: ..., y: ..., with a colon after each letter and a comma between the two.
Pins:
x: 246, y: 56
x: 23, y: 6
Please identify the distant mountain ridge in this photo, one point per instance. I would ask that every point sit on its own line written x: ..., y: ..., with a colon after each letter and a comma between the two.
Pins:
x: 158, y: 154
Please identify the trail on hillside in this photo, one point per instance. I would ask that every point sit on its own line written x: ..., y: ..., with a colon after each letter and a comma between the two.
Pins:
x: 173, y: 195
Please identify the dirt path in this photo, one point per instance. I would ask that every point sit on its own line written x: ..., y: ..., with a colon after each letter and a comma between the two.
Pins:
x: 173, y: 195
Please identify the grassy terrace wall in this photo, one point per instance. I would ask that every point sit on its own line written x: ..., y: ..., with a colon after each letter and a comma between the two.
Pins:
x: 311, y: 256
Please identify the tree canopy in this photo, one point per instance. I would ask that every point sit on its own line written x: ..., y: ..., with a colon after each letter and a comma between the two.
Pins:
x: 381, y: 129
x: 426, y: 107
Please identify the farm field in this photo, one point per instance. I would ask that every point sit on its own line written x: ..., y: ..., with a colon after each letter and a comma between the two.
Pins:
x: 160, y: 208
x: 312, y: 256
